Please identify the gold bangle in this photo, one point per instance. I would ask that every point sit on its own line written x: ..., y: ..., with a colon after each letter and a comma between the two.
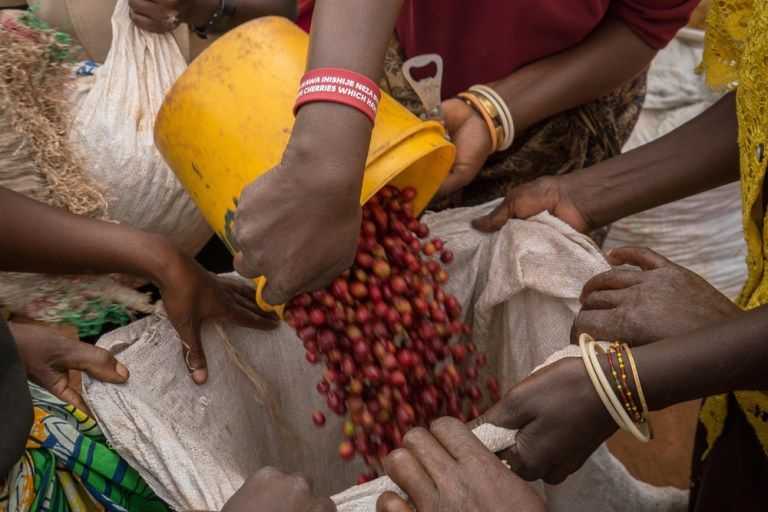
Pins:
x: 475, y: 103
x: 636, y: 376
x: 493, y: 112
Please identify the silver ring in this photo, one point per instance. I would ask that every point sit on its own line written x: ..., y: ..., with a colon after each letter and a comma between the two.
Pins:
x: 187, y: 353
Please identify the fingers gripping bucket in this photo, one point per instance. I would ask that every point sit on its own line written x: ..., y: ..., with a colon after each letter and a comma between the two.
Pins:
x: 228, y: 118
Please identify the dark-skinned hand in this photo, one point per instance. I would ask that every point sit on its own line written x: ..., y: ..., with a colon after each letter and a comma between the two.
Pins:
x: 551, y: 194
x: 658, y: 301
x: 49, y: 357
x: 165, y: 15
x: 271, y: 490
x: 473, y: 144
x: 300, y: 233
x: 560, y: 421
x: 192, y: 296
x: 447, y: 469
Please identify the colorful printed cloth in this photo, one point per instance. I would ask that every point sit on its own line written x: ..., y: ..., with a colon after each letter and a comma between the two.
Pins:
x: 68, y: 467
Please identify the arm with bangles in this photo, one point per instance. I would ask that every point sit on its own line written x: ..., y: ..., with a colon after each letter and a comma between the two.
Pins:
x: 700, y: 155
x: 555, y: 437
x: 611, y: 56
x: 729, y: 356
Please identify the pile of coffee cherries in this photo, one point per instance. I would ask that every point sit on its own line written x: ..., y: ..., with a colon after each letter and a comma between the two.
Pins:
x: 395, y: 350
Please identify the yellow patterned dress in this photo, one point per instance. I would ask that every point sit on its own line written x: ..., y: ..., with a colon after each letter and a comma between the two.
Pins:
x: 736, y: 57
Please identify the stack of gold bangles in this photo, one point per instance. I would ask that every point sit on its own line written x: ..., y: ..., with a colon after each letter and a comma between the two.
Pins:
x: 630, y: 414
x: 494, y: 112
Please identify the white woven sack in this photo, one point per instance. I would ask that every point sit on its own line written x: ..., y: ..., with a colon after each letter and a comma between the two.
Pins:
x: 195, y: 445
x: 113, y: 124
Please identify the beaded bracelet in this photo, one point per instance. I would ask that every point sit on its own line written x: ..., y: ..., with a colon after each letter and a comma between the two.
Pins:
x: 636, y: 376
x: 584, y: 342
x: 640, y: 431
x: 620, y: 379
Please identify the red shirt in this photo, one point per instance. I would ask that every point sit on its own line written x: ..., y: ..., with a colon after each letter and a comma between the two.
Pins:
x: 486, y: 40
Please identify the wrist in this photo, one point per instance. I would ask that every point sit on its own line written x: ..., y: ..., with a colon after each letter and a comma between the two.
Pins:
x: 332, y: 138
x: 583, y: 194
x: 158, y: 258
x: 200, y: 12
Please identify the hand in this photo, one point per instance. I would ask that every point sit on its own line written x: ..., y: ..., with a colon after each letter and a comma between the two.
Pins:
x: 473, y: 144
x: 163, y: 16
x: 449, y: 470
x: 269, y: 489
x: 48, y: 357
x: 639, y: 307
x: 298, y: 226
x: 192, y: 295
x: 560, y: 421
x: 548, y: 193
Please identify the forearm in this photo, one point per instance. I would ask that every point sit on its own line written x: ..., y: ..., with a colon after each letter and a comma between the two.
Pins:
x: 608, y: 58
x: 39, y: 238
x: 349, y: 34
x: 700, y: 155
x: 732, y: 356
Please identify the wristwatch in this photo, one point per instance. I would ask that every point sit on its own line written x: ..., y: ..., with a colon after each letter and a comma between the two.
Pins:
x: 219, y: 21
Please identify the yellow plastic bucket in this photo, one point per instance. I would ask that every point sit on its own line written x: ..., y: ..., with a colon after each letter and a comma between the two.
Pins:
x: 228, y: 118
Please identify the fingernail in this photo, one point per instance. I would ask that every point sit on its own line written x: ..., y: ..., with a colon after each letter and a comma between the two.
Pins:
x: 122, y: 371
x: 609, y: 253
x: 200, y: 376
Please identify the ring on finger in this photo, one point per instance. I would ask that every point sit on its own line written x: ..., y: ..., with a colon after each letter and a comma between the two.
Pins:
x: 187, y: 353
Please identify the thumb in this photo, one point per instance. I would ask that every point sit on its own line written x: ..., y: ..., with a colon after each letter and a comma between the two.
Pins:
x: 243, y: 266
x: 98, y: 363
x: 495, y: 220
x: 391, y: 502
x: 60, y: 388
x: 503, y: 414
x: 641, y: 257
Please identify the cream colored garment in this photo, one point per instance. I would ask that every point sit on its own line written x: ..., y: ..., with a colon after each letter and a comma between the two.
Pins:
x: 88, y: 21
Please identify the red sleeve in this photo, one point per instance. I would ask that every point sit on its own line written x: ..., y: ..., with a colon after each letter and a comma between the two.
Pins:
x: 655, y: 21
x: 306, y: 7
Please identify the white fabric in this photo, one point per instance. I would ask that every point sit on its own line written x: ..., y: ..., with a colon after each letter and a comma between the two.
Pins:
x: 196, y: 445
x: 113, y: 124
x: 704, y: 232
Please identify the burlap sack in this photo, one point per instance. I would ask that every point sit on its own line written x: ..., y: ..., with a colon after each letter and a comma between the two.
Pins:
x: 196, y: 445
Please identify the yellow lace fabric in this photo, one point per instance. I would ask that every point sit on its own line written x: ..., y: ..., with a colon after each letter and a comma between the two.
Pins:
x: 736, y: 56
